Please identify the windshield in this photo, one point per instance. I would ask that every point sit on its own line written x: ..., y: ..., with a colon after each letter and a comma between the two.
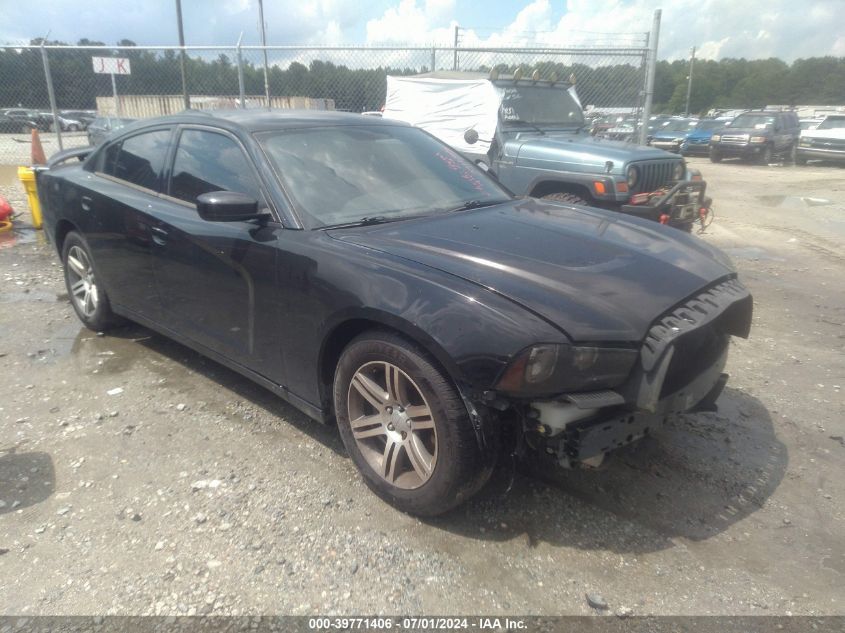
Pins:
x: 709, y: 125
x: 832, y: 123
x: 756, y: 121
x: 346, y: 174
x: 678, y: 126
x: 538, y: 105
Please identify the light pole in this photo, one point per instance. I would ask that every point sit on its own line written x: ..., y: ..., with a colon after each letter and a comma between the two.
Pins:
x: 689, y: 82
x: 181, y: 55
x: 264, y: 49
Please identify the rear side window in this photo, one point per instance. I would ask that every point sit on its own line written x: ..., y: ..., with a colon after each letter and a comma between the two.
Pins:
x: 138, y: 159
x: 208, y: 161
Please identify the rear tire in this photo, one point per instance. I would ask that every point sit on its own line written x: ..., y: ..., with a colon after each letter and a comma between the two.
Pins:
x: 87, y: 295
x: 410, y: 435
x: 567, y: 198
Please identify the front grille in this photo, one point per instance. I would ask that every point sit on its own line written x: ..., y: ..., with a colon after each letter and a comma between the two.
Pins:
x: 729, y: 302
x: 833, y: 144
x: 698, y: 331
x: 653, y: 174
x: 735, y: 138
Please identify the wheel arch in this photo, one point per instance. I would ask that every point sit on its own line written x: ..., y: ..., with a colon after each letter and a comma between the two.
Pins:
x: 352, y: 325
x: 63, y: 227
x: 545, y: 187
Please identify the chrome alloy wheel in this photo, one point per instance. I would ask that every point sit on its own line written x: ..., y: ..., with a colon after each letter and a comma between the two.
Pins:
x: 83, y: 286
x: 392, y: 424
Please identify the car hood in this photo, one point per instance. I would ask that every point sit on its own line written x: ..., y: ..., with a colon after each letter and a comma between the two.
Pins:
x: 667, y: 135
x: 596, y: 275
x: 587, y: 148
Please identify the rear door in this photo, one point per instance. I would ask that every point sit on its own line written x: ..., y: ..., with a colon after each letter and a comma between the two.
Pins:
x: 216, y: 280
x: 116, y: 208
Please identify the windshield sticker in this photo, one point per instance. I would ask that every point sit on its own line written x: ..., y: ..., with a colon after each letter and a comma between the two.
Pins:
x: 509, y: 114
x: 465, y: 173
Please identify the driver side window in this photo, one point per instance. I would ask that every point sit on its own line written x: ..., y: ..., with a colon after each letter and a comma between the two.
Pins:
x: 207, y: 161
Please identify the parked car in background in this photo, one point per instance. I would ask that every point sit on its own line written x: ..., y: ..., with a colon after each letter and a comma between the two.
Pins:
x: 32, y: 118
x: 531, y: 134
x: 374, y: 278
x: 100, y: 128
x: 670, y: 136
x: 826, y: 142
x: 757, y: 135
x: 9, y: 125
x: 67, y: 123
x: 697, y: 141
x: 84, y: 117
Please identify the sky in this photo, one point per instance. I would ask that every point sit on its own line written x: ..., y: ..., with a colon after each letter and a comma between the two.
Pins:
x: 753, y: 29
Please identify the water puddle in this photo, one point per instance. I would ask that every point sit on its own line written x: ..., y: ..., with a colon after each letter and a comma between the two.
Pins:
x: 793, y: 202
x: 753, y: 253
x: 21, y: 235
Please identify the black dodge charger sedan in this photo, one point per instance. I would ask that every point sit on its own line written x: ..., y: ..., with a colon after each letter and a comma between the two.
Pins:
x: 372, y: 277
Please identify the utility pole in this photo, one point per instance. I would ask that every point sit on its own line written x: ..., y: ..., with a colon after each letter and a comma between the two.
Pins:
x: 264, y: 49
x: 182, y: 55
x: 689, y: 82
x: 455, y: 58
x: 651, y: 68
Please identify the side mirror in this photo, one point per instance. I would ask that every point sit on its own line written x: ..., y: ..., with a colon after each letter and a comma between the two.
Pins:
x: 471, y: 136
x: 227, y: 206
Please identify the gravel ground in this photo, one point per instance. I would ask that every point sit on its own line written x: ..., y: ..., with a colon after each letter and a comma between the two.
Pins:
x: 137, y: 477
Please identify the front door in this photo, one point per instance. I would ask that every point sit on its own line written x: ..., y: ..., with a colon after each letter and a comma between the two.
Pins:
x: 216, y: 280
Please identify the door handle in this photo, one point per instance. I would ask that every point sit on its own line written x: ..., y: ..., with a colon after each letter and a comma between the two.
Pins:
x: 86, y: 202
x: 159, y: 235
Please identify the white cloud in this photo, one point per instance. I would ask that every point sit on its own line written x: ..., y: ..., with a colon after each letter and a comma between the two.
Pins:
x: 718, y: 28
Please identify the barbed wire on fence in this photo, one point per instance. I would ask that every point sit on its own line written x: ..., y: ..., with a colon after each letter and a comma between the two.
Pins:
x: 325, y: 77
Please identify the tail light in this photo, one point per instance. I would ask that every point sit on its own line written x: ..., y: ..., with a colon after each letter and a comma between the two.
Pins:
x: 664, y: 218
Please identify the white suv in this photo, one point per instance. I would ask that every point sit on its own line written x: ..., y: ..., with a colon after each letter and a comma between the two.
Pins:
x: 826, y: 142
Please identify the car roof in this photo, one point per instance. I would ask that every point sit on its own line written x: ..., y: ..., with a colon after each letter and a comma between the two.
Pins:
x: 258, y: 120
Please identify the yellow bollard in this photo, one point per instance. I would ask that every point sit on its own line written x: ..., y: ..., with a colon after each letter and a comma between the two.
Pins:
x: 27, y: 178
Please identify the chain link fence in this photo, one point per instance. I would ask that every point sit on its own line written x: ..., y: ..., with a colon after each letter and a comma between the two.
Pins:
x: 55, y: 88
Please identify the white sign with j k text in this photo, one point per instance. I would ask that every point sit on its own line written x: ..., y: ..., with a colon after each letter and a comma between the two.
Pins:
x: 111, y: 65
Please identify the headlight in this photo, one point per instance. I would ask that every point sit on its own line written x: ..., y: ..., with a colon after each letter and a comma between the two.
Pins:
x: 716, y: 138
x: 551, y: 369
x: 679, y: 171
x: 758, y: 139
x: 804, y: 142
x: 632, y: 175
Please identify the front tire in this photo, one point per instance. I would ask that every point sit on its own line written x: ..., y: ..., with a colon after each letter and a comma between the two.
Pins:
x: 405, y: 426
x: 766, y: 155
x: 715, y: 156
x: 87, y: 296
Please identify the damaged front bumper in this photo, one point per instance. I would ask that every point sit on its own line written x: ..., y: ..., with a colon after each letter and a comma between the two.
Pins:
x: 679, y: 206
x: 681, y: 370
